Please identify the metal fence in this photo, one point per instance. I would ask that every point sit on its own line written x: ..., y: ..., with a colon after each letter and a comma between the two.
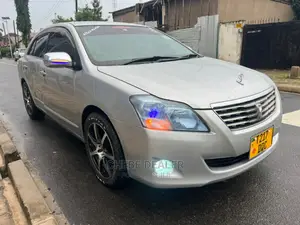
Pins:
x: 271, y: 46
x: 203, y: 37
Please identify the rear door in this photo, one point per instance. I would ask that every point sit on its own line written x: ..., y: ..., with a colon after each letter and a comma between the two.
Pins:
x: 34, y: 65
x: 60, y: 82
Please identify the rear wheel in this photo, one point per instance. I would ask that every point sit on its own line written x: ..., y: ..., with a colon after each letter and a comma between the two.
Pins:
x: 104, y: 151
x: 33, y: 112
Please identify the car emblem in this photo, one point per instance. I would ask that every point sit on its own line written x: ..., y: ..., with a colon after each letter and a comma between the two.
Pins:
x: 259, y: 111
x: 240, y: 79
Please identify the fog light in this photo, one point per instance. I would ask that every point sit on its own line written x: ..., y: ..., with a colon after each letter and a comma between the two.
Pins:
x: 163, y: 168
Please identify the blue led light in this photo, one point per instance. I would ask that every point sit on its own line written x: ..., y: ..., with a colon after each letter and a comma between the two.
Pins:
x: 59, y: 62
x: 153, y: 113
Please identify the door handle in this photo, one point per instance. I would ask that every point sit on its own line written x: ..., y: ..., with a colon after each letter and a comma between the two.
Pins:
x: 43, y: 73
x: 25, y: 67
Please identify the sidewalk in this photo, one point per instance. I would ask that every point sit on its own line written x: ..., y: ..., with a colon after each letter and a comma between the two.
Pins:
x: 11, y: 212
x: 5, y: 214
x: 22, y: 201
x: 282, y: 80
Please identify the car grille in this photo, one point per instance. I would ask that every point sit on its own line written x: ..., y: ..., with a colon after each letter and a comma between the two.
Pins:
x: 242, y: 115
x: 223, y: 162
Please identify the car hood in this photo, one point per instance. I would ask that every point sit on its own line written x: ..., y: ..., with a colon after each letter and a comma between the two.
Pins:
x: 197, y: 82
x: 21, y: 54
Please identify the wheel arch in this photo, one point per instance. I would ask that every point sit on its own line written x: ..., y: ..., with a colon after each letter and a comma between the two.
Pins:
x: 22, y: 80
x: 94, y: 109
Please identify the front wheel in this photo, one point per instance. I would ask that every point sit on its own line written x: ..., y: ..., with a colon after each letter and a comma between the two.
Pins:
x: 104, y: 151
x: 33, y: 112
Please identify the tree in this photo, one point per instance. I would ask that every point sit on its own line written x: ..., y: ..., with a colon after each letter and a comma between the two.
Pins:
x: 85, y: 14
x: 60, y: 19
x: 90, y: 14
x: 296, y: 8
x: 23, y: 20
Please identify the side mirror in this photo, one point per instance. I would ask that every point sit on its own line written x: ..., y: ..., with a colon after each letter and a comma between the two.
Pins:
x: 57, y: 60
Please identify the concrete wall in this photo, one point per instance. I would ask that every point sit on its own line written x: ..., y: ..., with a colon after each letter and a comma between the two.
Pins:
x: 230, y: 41
x: 234, y: 10
x: 202, y: 38
x: 128, y: 17
x: 181, y: 14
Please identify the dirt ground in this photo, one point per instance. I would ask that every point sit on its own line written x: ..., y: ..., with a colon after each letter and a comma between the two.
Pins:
x: 281, y: 77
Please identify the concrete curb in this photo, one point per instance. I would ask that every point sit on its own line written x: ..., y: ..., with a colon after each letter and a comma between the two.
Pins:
x: 288, y: 88
x: 31, y: 200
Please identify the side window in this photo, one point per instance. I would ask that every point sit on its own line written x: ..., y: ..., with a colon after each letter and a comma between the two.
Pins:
x: 31, y: 48
x: 59, y: 42
x: 40, y: 46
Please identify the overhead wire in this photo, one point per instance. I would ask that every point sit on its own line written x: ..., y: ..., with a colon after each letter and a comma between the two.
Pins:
x: 51, y: 11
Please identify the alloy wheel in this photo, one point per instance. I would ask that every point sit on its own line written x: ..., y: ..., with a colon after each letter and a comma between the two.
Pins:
x: 100, y: 150
x: 27, y: 99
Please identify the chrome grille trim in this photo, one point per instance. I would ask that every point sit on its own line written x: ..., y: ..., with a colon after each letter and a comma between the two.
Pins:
x: 245, y: 114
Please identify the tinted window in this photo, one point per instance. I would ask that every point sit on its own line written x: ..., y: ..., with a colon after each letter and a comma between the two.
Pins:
x: 111, y: 45
x: 59, y: 42
x: 31, y: 49
x: 40, y: 46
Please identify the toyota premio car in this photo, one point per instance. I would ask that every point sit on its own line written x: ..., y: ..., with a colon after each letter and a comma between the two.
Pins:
x: 148, y: 107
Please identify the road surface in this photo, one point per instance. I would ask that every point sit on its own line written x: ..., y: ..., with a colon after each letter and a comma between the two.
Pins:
x: 267, y: 194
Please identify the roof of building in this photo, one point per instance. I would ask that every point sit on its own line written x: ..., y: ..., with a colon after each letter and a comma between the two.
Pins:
x: 132, y: 8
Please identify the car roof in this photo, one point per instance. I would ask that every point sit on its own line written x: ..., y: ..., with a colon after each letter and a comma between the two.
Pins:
x: 101, y: 23
x: 88, y: 23
x: 94, y: 23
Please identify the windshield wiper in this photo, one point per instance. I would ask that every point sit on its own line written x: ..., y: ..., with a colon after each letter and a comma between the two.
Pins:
x: 151, y: 59
x: 189, y: 56
x: 162, y: 58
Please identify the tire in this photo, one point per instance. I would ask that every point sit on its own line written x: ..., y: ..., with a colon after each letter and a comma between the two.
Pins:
x: 33, y: 112
x: 16, y: 60
x: 113, y: 156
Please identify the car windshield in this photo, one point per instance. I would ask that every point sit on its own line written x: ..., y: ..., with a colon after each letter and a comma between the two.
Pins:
x: 117, y: 45
x: 22, y: 50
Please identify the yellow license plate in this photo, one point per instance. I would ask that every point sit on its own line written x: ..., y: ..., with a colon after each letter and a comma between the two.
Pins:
x: 261, y: 142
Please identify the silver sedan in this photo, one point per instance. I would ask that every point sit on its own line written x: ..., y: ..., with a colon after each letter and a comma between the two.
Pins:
x: 148, y: 107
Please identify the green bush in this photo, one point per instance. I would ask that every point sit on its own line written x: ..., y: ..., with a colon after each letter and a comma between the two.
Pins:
x: 5, y: 51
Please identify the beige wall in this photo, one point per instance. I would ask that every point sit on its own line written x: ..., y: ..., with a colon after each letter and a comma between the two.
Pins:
x: 181, y: 14
x: 230, y: 41
x: 129, y: 17
x: 234, y: 10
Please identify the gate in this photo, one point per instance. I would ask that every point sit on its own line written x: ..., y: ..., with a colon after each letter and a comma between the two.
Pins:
x: 271, y: 46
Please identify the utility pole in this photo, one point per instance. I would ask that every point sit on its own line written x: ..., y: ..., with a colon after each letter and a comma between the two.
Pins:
x: 114, y: 5
x: 5, y: 19
x: 4, y: 30
x: 16, y: 41
x: 76, y: 6
x: 18, y: 36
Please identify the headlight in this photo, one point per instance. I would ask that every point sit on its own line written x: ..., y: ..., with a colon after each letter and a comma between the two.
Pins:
x: 159, y: 114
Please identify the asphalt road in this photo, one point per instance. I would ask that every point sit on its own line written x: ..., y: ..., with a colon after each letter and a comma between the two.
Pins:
x: 267, y: 194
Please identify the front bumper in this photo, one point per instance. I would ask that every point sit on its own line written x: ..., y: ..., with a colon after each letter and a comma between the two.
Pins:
x: 189, y: 150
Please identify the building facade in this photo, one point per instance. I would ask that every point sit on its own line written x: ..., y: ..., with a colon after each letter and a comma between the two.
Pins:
x: 180, y: 14
x: 255, y: 10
